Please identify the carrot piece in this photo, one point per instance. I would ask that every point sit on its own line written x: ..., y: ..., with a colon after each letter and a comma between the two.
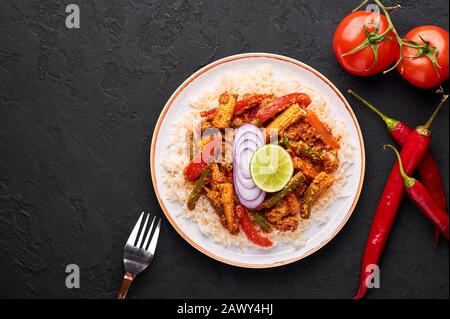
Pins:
x: 315, y: 122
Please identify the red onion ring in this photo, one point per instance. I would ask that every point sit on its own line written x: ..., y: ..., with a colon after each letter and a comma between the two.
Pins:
x: 251, y: 203
x: 247, y: 140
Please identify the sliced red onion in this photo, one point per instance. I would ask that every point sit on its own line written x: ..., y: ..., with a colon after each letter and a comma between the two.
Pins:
x: 250, y: 203
x: 249, y: 128
x: 250, y: 147
x: 255, y: 203
x: 250, y: 136
x: 247, y: 140
x: 247, y: 193
x: 243, y: 166
x: 246, y: 182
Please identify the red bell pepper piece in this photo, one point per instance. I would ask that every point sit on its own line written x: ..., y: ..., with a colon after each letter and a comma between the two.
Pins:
x: 242, y: 105
x: 248, y: 228
x: 193, y: 170
x: 281, y: 104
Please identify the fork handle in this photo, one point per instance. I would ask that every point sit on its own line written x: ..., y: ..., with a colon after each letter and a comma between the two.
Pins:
x: 126, y: 283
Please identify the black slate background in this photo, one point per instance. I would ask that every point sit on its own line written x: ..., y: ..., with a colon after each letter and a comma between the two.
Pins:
x: 77, y: 112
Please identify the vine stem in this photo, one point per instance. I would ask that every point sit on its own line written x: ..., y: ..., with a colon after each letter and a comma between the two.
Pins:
x: 391, y: 28
x: 360, y: 6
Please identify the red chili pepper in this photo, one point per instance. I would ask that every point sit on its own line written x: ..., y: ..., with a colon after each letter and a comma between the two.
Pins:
x: 414, y: 149
x: 428, y: 168
x: 281, y: 104
x: 422, y: 198
x: 242, y: 105
x: 193, y: 170
x: 248, y: 228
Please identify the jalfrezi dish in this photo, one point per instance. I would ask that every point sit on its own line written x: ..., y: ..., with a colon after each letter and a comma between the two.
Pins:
x: 309, y: 142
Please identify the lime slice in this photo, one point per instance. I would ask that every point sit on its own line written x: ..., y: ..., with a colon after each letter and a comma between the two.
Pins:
x: 271, y: 168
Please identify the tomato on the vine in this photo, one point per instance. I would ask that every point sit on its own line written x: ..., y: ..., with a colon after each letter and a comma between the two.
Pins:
x: 360, y: 46
x: 426, y: 66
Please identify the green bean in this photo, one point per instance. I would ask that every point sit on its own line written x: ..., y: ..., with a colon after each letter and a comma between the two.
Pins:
x: 294, y: 182
x: 261, y: 221
x: 201, y: 181
x: 301, y: 148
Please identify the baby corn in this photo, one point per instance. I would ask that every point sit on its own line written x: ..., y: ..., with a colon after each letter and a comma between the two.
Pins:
x: 227, y: 201
x: 286, y: 119
x: 319, y: 185
x: 224, y: 113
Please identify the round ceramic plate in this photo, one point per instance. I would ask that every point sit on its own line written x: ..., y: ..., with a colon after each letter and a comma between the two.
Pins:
x: 317, y: 235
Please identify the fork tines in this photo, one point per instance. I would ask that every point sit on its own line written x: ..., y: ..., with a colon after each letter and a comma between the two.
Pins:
x: 140, y: 230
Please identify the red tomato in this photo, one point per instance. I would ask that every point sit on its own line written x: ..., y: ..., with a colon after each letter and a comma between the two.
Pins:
x: 420, y: 71
x: 350, y: 33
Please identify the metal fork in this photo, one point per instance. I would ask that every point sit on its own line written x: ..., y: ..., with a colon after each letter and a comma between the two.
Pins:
x: 138, y: 253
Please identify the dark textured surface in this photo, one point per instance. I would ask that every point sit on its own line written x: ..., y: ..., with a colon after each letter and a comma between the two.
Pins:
x: 77, y: 112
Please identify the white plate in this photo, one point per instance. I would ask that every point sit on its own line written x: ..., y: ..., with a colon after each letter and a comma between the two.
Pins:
x: 340, y: 210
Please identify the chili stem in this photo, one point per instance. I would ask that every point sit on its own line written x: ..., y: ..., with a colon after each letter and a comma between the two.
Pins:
x: 408, y: 181
x: 390, y: 122
x: 436, y: 111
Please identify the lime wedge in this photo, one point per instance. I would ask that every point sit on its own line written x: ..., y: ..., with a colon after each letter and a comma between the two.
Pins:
x: 271, y: 168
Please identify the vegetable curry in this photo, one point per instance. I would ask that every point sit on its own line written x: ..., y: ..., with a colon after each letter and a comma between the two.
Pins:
x: 310, y: 143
